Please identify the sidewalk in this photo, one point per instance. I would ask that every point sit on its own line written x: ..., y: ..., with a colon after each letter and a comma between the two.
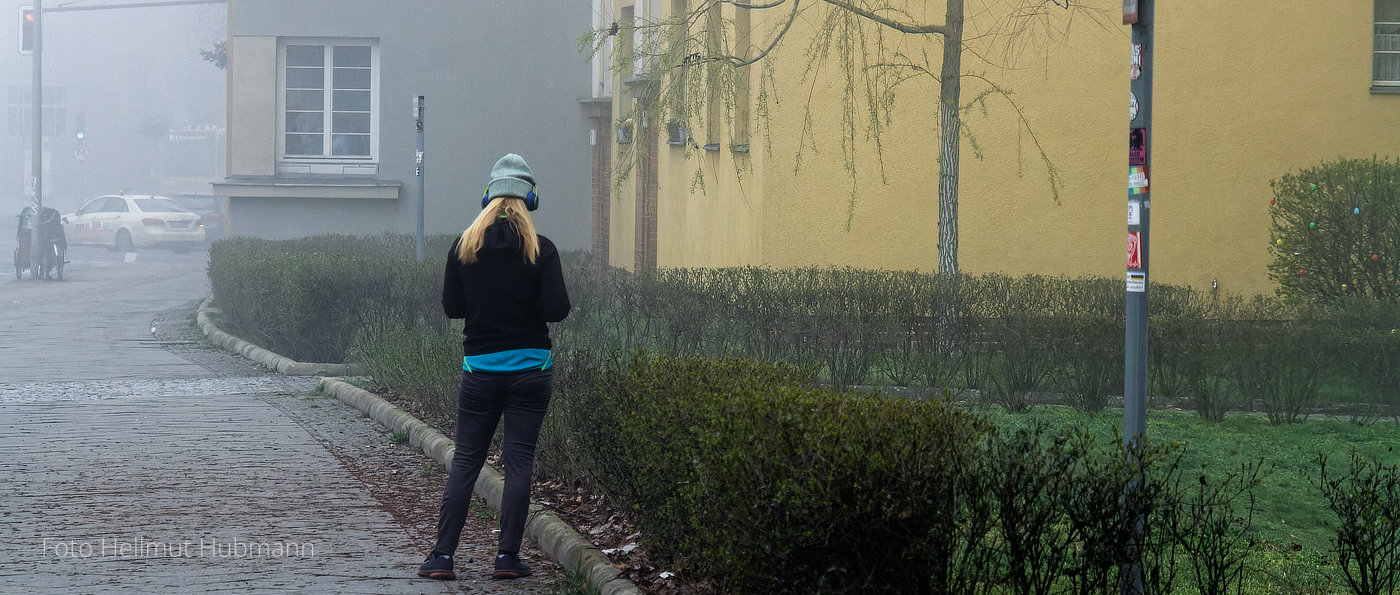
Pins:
x: 556, y: 538
x: 139, y: 463
x: 185, y: 485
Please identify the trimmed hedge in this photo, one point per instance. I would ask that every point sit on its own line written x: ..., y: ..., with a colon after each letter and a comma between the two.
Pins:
x: 746, y: 474
x: 307, y: 299
x: 1018, y: 341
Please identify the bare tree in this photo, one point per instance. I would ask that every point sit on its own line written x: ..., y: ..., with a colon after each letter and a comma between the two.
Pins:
x: 877, y: 45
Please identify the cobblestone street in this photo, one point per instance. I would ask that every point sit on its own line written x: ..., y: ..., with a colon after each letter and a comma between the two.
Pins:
x: 154, y: 463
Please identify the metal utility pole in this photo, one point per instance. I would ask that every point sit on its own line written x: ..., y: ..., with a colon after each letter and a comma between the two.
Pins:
x: 1137, y: 13
x: 37, y: 158
x: 418, y: 109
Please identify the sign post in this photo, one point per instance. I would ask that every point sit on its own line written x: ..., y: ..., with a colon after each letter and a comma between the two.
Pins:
x: 1137, y: 13
x: 418, y: 109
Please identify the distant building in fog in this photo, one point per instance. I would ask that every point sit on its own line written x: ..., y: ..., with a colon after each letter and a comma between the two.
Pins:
x: 132, y: 82
x: 321, y: 136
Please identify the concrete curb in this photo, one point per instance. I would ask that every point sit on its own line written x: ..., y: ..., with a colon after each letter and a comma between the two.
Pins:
x: 557, y: 538
x: 268, y: 359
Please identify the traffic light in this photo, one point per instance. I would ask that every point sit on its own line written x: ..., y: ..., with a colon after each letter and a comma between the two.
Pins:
x: 26, y: 29
x: 81, y: 126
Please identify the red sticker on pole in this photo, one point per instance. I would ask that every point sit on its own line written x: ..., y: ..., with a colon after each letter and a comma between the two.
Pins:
x: 1134, y: 250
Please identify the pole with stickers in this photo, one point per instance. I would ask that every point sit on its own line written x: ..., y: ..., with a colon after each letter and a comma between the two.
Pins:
x: 1137, y: 13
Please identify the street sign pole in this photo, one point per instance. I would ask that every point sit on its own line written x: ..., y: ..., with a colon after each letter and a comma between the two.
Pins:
x: 1137, y: 13
x: 37, y: 158
x: 418, y: 109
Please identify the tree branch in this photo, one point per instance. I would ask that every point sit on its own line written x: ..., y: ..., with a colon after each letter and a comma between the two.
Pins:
x: 792, y: 16
x: 754, y: 6
x: 1052, y: 171
x: 888, y: 22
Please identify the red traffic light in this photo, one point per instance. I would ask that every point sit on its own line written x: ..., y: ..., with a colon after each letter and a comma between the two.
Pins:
x: 26, y: 27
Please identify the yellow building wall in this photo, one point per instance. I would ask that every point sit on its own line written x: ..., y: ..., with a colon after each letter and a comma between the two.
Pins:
x: 709, y: 204
x: 622, y: 219
x: 714, y: 226
x: 1244, y: 92
x: 1249, y: 97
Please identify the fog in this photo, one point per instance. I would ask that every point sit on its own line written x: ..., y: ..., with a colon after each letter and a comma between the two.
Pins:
x: 153, y: 112
x: 150, y: 108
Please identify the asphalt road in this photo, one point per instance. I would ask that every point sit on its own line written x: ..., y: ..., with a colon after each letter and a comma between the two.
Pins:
x: 150, y: 463
x: 96, y: 323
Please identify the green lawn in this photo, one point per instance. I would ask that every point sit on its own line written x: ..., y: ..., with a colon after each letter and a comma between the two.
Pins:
x: 1291, y: 517
x: 1290, y: 509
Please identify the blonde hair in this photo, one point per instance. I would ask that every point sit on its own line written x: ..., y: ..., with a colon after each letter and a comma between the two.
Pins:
x: 513, y: 209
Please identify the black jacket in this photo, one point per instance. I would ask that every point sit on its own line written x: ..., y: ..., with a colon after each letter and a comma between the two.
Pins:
x: 505, y: 300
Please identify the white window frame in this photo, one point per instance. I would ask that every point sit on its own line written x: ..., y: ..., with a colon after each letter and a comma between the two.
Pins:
x: 1392, y: 47
x: 327, y: 164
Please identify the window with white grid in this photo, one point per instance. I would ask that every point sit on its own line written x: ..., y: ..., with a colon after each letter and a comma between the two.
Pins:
x: 328, y: 98
x: 1386, y: 60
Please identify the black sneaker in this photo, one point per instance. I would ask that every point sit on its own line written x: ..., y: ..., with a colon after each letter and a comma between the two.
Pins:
x: 509, y: 566
x: 437, y: 566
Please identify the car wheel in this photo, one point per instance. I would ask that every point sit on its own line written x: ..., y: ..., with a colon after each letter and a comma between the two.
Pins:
x: 124, y: 243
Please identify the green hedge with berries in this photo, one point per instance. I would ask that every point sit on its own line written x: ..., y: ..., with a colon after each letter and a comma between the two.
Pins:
x: 1336, y: 231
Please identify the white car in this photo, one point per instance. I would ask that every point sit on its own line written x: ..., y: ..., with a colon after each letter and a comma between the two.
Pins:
x: 130, y: 221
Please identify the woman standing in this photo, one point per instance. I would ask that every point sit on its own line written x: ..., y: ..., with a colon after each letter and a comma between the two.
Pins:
x: 506, y: 282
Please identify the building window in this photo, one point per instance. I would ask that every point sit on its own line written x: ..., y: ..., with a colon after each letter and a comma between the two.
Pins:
x: 743, y: 31
x: 627, y: 65
x: 714, y: 45
x: 1386, y: 60
x: 626, y: 41
x: 328, y: 98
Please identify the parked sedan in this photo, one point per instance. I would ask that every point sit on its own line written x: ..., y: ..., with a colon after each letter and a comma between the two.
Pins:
x: 210, y: 209
x: 131, y: 221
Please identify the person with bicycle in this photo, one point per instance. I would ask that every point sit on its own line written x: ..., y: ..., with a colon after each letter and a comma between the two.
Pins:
x: 53, y: 241
x: 51, y: 229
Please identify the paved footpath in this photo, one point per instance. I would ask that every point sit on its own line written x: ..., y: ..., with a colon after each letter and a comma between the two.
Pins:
x: 125, y: 466
x: 184, y: 486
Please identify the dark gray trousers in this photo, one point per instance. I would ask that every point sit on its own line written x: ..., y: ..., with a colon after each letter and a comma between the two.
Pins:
x: 482, y: 400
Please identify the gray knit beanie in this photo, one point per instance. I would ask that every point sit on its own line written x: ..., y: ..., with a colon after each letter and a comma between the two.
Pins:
x: 511, y: 177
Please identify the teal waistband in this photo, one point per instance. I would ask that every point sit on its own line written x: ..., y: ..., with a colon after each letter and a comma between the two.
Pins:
x: 505, y: 362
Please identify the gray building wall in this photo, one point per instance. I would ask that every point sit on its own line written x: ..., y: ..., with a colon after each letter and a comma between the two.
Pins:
x: 499, y: 76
